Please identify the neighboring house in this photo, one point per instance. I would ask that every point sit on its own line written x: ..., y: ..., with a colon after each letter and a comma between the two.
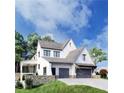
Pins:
x: 63, y: 60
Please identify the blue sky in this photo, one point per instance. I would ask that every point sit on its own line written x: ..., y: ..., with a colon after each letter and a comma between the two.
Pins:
x: 84, y: 21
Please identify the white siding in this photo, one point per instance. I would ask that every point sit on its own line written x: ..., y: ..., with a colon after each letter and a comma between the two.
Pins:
x: 38, y: 50
x: 44, y: 63
x: 68, y: 48
x: 88, y: 59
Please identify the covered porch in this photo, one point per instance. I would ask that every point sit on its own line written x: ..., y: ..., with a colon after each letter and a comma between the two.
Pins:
x: 28, y: 67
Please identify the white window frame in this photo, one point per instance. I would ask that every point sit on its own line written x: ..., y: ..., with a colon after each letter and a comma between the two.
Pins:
x: 56, y: 53
x: 47, y: 53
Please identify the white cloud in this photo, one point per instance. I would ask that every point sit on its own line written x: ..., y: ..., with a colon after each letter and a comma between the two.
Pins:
x: 46, y: 15
x: 101, y: 40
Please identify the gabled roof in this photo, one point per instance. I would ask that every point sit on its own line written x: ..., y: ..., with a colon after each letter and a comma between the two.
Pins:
x: 71, y: 58
x: 53, y: 45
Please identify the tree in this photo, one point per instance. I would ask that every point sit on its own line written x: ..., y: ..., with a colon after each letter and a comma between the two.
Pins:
x: 20, y: 48
x: 48, y: 38
x: 98, y: 55
x: 32, y: 40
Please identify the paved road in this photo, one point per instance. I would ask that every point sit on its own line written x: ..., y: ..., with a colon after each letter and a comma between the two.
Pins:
x: 98, y: 83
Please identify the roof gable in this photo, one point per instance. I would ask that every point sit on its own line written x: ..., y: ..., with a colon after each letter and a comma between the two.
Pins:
x: 88, y: 59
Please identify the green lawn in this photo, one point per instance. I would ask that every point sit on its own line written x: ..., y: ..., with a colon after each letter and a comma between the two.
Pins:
x: 60, y: 87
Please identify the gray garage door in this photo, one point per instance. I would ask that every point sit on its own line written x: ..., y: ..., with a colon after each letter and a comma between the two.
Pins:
x: 83, y: 73
x: 63, y: 72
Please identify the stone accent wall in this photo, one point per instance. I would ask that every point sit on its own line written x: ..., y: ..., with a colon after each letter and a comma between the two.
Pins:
x: 37, y: 80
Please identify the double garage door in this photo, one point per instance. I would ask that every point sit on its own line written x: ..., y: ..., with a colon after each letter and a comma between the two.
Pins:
x: 83, y: 73
x: 80, y: 73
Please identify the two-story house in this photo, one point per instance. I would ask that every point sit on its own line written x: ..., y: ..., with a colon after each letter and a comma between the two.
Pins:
x: 63, y: 60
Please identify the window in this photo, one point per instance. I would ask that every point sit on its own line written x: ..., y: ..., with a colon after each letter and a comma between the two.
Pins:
x: 56, y: 53
x: 70, y: 44
x: 25, y: 69
x: 84, y: 57
x: 38, y: 54
x: 46, y: 52
x: 44, y: 70
x: 38, y: 66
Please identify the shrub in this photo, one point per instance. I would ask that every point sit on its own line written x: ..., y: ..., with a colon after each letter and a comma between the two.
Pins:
x: 29, y: 83
x: 19, y: 85
x: 103, y: 73
x: 97, y: 73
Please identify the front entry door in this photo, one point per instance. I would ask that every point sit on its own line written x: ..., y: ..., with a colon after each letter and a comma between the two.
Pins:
x: 53, y: 71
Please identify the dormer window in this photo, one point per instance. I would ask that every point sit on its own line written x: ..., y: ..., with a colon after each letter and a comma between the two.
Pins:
x: 56, y: 53
x: 47, y: 53
x: 70, y: 43
x: 84, y: 57
x: 38, y: 54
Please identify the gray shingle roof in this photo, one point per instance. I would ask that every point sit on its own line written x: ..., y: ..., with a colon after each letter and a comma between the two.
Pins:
x: 71, y: 57
x: 52, y: 45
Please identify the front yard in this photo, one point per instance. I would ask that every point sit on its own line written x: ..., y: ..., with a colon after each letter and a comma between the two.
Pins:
x: 60, y: 87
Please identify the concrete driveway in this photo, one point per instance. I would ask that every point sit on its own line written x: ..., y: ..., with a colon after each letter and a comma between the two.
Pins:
x: 97, y: 83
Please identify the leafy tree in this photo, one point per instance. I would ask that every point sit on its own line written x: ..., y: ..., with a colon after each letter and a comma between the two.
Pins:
x: 48, y: 38
x: 32, y: 40
x: 20, y: 48
x: 98, y: 55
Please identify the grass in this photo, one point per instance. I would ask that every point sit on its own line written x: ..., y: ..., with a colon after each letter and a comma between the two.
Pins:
x: 60, y: 87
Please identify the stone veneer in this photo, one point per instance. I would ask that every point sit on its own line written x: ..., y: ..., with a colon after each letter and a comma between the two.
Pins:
x: 37, y: 80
